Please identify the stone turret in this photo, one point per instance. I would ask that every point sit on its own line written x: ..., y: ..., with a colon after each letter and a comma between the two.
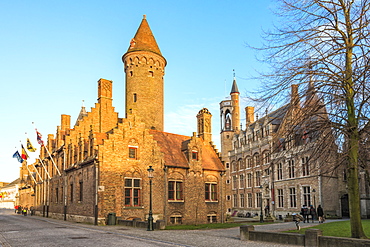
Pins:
x: 144, y: 67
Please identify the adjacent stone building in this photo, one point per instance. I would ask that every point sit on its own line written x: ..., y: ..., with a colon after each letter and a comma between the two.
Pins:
x: 99, y: 166
x: 9, y: 196
x: 272, y: 167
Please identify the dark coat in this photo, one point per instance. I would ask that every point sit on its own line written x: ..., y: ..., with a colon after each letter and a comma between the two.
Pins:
x: 320, y: 211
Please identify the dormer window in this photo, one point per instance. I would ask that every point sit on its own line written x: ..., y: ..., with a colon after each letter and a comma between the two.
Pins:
x: 194, y: 155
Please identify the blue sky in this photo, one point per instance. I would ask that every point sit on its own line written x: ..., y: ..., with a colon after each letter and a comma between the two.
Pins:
x: 52, y: 53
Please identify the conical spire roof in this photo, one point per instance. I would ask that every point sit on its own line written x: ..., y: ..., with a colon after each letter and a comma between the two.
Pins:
x: 234, y: 88
x: 82, y: 114
x: 144, y: 39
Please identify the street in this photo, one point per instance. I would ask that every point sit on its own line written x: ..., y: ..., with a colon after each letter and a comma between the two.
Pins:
x: 19, y: 231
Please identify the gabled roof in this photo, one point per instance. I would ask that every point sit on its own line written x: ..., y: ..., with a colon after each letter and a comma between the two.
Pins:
x: 15, y: 182
x: 171, y: 146
x: 82, y: 114
x: 144, y: 39
x: 210, y: 160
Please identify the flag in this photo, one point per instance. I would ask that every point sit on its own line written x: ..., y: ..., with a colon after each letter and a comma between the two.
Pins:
x: 18, y: 156
x: 39, y: 138
x: 24, y: 153
x: 29, y: 146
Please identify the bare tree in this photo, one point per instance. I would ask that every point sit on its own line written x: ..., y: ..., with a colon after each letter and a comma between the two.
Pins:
x: 324, y: 44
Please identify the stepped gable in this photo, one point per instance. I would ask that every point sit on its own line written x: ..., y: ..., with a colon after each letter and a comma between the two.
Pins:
x: 210, y: 159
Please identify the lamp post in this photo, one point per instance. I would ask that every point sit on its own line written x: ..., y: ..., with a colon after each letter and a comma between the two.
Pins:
x: 150, y: 217
x: 261, y: 214
x: 314, y: 197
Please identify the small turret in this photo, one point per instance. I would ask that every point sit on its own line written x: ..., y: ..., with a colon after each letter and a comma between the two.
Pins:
x: 204, y: 125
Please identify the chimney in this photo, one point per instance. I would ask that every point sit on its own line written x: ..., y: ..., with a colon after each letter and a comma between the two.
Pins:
x: 294, y: 101
x: 249, y: 110
x: 65, y: 122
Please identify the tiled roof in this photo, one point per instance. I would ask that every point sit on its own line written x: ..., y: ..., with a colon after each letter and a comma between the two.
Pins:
x: 210, y: 159
x: 144, y: 39
x: 170, y: 145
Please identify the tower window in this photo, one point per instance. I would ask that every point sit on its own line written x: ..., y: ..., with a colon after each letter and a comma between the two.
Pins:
x: 135, y: 97
x: 151, y: 73
x: 131, y: 73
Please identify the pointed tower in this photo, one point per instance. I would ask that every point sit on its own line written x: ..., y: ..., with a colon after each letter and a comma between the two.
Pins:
x: 144, y: 67
x: 82, y: 114
x: 230, y: 120
x: 235, y: 106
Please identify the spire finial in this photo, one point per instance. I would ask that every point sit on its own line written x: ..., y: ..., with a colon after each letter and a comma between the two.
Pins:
x: 144, y: 16
x: 83, y: 103
x: 234, y: 73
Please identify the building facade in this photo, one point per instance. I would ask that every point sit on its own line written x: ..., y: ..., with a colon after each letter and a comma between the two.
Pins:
x: 9, y: 195
x: 273, y: 168
x: 100, y: 165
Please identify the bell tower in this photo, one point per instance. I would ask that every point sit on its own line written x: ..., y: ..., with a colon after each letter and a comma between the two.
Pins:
x: 230, y: 120
x: 144, y: 66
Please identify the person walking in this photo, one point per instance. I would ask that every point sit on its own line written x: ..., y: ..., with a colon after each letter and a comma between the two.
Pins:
x: 320, y: 214
x: 25, y: 211
x: 304, y: 213
x: 312, y: 212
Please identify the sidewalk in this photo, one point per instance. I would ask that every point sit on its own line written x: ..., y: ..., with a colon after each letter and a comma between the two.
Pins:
x: 201, y: 238
x: 188, y: 238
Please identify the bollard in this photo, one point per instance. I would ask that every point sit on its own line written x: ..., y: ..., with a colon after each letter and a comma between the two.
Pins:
x: 244, y: 232
x: 311, y: 238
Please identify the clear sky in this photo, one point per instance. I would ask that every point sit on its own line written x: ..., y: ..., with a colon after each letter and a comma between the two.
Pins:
x: 52, y: 53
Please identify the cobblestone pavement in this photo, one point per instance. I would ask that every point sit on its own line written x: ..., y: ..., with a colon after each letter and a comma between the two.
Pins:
x: 128, y: 236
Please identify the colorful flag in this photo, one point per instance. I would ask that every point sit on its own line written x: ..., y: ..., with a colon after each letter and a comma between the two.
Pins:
x: 39, y: 138
x: 24, y: 153
x: 18, y: 156
x: 29, y: 146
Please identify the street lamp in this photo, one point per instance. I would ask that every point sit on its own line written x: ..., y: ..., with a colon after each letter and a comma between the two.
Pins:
x: 314, y: 197
x: 150, y: 217
x: 261, y: 214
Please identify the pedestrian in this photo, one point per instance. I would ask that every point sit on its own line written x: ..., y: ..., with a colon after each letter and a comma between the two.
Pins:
x: 16, y: 208
x: 312, y: 212
x: 320, y: 214
x: 297, y: 218
x: 25, y: 211
x: 304, y: 213
x: 267, y: 210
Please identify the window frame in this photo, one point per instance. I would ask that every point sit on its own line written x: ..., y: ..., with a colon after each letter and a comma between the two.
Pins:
x: 135, y: 154
x: 178, y: 192
x: 211, y: 193
x: 293, y: 197
x: 280, y: 194
x: 134, y: 196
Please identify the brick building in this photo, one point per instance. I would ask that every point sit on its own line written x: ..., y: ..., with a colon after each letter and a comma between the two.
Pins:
x: 271, y: 166
x: 99, y: 165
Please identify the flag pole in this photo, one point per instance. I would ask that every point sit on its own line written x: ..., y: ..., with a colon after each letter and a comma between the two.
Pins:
x: 45, y: 168
x: 47, y: 150
x: 31, y: 174
x: 52, y: 160
x: 38, y: 173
